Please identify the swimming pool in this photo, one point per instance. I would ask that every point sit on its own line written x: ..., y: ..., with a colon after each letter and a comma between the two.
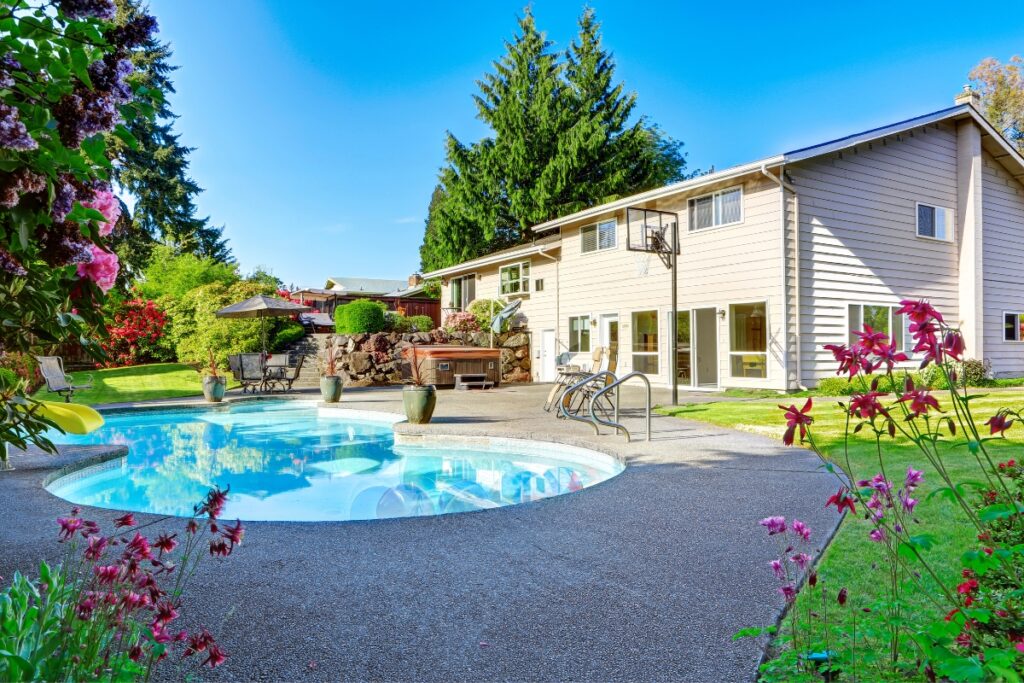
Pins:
x: 289, y: 460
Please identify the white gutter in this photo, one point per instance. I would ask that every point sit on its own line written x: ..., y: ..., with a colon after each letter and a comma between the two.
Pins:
x: 783, y: 186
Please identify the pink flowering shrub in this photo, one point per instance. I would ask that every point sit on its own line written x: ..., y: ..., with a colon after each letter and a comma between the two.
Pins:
x: 980, y: 635
x: 101, y: 268
x: 108, y: 611
x: 461, y: 321
x: 107, y: 203
x: 134, y: 334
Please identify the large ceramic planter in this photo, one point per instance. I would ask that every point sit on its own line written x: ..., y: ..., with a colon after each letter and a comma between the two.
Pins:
x: 330, y: 388
x: 419, y: 403
x: 214, y: 388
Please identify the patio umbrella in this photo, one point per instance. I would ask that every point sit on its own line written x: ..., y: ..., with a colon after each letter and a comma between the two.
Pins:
x: 262, y: 306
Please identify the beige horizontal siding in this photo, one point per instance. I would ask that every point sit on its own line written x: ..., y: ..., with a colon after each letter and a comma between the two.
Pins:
x: 1003, y: 261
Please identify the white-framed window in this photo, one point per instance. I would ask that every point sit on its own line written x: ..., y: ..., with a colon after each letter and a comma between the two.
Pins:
x: 538, y: 285
x: 881, y: 318
x: 579, y: 334
x: 462, y: 291
x: 714, y: 210
x: 934, y: 222
x: 1012, y: 330
x: 598, y: 237
x: 645, y: 342
x: 748, y: 340
x: 515, y: 278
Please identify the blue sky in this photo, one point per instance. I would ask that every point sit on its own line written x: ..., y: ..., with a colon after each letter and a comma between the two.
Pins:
x: 319, y: 125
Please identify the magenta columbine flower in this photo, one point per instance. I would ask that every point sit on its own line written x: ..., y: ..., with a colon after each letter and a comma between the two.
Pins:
x: 68, y: 526
x: 775, y: 525
x: 801, y: 560
x: 914, y: 478
x: 801, y: 530
x: 877, y: 535
x: 908, y: 503
x: 788, y: 592
x: 778, y: 569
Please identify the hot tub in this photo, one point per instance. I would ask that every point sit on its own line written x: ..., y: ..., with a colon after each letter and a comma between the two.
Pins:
x: 439, y: 364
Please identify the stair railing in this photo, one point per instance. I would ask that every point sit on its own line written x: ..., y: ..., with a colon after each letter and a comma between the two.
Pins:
x: 567, y: 394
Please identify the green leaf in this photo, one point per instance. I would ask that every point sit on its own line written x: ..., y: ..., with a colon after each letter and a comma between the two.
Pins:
x: 95, y: 148
x: 961, y: 669
x: 80, y: 65
x: 924, y: 541
x: 1000, y: 511
x: 126, y: 136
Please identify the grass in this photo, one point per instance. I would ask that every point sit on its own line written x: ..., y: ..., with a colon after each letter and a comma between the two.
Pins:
x: 136, y: 383
x: 852, y: 560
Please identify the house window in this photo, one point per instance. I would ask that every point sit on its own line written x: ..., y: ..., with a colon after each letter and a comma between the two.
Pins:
x: 883, y: 319
x: 748, y: 340
x: 515, y: 278
x: 645, y: 342
x: 934, y: 222
x: 1012, y: 330
x: 718, y: 209
x: 538, y: 285
x: 463, y: 292
x: 579, y: 334
x: 598, y: 237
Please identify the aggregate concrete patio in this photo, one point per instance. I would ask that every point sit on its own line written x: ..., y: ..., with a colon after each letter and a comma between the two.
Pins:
x: 643, y: 577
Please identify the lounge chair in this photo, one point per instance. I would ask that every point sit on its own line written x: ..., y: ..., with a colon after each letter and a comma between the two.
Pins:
x: 251, y: 372
x: 235, y: 365
x: 57, y: 381
x: 570, y: 374
x: 579, y: 400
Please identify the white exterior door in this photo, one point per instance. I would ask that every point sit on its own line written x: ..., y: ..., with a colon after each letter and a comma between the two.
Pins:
x: 610, y: 332
x: 547, y: 352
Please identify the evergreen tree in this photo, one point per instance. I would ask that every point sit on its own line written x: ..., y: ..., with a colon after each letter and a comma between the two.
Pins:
x: 156, y: 171
x: 561, y: 141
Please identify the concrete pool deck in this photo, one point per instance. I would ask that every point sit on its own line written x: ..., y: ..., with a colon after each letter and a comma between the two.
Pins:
x: 643, y: 577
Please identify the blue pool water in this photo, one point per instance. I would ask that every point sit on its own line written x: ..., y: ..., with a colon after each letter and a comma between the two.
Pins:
x: 287, y: 460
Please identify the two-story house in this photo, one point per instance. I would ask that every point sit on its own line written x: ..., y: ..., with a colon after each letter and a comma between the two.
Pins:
x: 780, y: 256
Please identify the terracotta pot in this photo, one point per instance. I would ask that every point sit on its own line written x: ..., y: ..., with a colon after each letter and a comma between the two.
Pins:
x: 330, y: 388
x: 419, y: 403
x: 214, y: 388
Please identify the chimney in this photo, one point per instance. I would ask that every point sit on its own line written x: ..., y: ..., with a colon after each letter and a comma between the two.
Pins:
x: 968, y: 96
x: 415, y: 279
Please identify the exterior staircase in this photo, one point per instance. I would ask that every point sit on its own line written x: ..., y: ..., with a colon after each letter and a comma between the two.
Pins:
x: 309, y: 347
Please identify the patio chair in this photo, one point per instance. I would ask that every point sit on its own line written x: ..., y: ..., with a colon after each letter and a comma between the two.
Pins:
x: 57, y: 381
x: 251, y: 375
x: 570, y: 374
x: 290, y: 374
x: 235, y: 365
x: 579, y: 400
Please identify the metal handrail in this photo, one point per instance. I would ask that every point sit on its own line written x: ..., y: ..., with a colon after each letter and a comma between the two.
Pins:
x: 579, y: 385
x: 615, y: 424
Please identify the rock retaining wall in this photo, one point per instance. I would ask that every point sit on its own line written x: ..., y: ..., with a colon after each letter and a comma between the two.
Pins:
x: 373, y: 359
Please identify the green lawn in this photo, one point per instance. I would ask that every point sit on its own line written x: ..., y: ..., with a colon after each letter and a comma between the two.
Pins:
x: 850, y: 559
x: 137, y: 383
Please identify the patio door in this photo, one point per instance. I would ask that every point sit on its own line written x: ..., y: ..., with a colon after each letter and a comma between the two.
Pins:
x: 609, y: 331
x: 705, y: 337
x: 547, y: 354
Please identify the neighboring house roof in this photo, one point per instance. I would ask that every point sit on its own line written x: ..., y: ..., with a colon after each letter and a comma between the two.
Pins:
x: 543, y: 244
x: 364, y: 285
x: 1004, y: 152
x: 407, y: 292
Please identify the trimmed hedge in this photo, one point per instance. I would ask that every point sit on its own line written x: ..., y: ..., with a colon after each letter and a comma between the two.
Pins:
x: 288, y: 333
x: 361, y: 315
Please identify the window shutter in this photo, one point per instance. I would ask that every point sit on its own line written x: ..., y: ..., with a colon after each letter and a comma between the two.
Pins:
x: 588, y: 239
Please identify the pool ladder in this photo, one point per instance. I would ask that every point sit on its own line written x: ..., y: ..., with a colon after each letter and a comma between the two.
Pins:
x: 593, y: 419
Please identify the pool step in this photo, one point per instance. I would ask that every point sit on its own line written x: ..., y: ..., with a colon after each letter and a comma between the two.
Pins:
x: 465, y: 382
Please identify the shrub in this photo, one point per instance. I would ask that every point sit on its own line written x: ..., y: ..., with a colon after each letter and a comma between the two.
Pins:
x: 359, y: 316
x: 462, y: 321
x: 421, y: 323
x: 288, y: 333
x: 107, y: 612
x: 485, y: 310
x: 23, y: 365
x: 396, y: 322
x: 135, y: 334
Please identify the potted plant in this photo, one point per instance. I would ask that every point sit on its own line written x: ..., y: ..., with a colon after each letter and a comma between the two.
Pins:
x: 214, y: 383
x: 418, y: 398
x: 330, y: 382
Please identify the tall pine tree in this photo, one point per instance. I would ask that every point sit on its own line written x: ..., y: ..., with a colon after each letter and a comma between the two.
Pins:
x: 155, y: 173
x: 562, y: 140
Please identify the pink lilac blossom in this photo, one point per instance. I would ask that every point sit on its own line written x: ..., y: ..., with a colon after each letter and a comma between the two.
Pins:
x: 102, y: 269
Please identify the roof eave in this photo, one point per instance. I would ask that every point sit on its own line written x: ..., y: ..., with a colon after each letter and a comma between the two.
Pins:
x: 527, y: 250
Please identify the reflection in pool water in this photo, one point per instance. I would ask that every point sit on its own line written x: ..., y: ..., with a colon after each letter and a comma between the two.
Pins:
x: 285, y: 460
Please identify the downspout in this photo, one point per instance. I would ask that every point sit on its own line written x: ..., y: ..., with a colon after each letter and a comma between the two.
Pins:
x: 783, y: 186
x: 558, y: 294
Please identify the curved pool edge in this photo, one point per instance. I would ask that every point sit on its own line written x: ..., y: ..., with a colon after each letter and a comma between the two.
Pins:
x: 405, y: 434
